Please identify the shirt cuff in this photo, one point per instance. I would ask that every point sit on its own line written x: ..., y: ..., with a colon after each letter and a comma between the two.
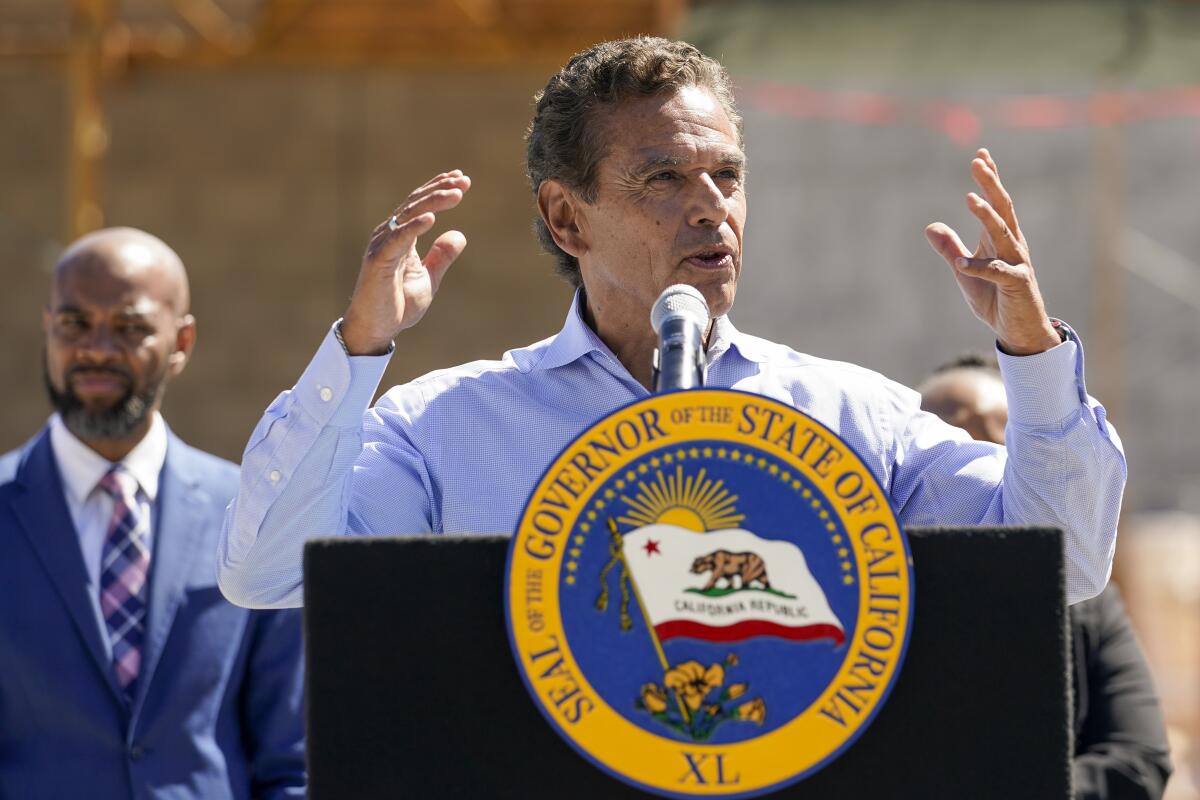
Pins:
x: 1044, y: 389
x: 336, y: 389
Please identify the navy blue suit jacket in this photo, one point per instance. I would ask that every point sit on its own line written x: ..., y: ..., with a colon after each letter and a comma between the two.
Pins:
x: 217, y: 711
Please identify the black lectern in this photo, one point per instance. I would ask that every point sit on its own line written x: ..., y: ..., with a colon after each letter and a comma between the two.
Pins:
x: 413, y: 693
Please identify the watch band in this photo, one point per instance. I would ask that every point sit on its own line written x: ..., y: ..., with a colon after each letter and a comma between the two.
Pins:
x: 337, y: 334
x: 1065, y: 332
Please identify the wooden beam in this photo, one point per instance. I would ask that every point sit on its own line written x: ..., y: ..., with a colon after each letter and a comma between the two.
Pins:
x: 89, y: 136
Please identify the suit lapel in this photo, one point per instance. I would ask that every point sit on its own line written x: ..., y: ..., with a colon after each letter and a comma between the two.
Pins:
x: 178, y: 537
x: 45, y: 521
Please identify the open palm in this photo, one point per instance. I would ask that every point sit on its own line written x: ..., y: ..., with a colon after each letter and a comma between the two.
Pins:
x: 997, y: 279
x: 395, y: 284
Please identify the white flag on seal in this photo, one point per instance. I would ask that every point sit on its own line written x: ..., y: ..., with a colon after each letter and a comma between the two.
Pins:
x: 726, y: 586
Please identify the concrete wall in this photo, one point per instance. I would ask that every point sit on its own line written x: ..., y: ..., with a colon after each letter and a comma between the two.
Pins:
x: 268, y: 183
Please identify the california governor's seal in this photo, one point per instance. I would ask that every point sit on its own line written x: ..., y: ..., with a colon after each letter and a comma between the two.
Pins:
x: 709, y: 593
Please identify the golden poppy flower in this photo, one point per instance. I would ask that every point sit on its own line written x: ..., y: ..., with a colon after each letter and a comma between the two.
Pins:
x: 653, y: 699
x: 691, y: 681
x: 755, y: 711
x: 736, y: 690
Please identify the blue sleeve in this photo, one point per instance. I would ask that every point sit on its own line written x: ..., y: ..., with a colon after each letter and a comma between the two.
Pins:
x: 316, y: 454
x: 1062, y: 466
x: 272, y: 706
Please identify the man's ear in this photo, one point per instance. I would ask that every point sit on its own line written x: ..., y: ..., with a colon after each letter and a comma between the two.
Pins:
x: 560, y: 209
x: 185, y: 340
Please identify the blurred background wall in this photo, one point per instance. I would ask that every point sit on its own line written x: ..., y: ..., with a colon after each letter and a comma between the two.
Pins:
x: 263, y: 139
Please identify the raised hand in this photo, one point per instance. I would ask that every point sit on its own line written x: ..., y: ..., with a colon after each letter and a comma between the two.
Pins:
x: 396, y: 286
x: 997, y: 279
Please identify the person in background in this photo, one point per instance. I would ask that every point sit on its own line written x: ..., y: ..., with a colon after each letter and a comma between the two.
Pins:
x: 123, y: 671
x: 1120, y: 737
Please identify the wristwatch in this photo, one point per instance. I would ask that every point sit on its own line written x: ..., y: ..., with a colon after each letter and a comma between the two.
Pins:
x: 1065, y: 332
x: 337, y: 334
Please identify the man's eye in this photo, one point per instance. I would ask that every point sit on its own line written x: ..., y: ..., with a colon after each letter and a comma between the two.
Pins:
x: 70, y: 324
x: 730, y: 174
x: 666, y: 175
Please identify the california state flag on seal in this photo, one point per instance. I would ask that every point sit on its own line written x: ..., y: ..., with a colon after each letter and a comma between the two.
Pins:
x: 726, y: 586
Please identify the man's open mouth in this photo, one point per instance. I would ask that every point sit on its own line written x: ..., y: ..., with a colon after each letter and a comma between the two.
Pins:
x: 711, y: 259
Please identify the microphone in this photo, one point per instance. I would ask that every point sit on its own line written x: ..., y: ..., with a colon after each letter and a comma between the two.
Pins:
x: 679, y: 318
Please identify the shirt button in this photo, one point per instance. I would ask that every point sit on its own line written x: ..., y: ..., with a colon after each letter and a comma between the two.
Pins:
x: 326, y: 394
x: 136, y: 752
x: 274, y: 475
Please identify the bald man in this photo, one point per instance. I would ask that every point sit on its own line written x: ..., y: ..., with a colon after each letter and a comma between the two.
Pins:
x: 123, y: 671
x: 1120, y: 737
x: 969, y: 394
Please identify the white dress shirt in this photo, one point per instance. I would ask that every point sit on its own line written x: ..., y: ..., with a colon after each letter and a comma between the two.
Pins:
x: 91, y: 507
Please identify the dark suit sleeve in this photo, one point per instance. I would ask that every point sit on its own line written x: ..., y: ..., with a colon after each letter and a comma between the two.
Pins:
x: 272, y: 706
x: 1122, y: 751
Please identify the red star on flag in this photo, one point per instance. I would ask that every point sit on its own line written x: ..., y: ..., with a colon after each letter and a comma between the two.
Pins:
x: 651, y: 547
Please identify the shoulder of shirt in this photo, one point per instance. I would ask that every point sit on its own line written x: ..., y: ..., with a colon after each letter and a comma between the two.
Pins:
x: 777, y: 356
x: 481, y: 375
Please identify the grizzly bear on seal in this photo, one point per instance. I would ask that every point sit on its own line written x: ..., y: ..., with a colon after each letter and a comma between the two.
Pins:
x: 746, y: 567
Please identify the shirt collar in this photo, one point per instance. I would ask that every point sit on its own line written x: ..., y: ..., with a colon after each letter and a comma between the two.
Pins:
x: 725, y: 337
x: 82, y: 467
x: 574, y: 341
x: 577, y: 339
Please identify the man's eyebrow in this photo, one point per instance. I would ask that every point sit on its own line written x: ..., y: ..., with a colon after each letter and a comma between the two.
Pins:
x: 130, y: 313
x: 661, y: 162
x: 658, y: 162
x: 134, y: 313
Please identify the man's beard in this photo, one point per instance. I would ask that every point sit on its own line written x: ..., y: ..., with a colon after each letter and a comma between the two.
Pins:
x: 117, y: 422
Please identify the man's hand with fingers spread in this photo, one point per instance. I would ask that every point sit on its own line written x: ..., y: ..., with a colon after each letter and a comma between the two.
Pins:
x: 997, y: 280
x: 395, y: 285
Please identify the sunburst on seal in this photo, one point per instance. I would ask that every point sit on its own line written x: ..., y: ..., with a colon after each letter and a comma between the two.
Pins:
x: 697, y: 502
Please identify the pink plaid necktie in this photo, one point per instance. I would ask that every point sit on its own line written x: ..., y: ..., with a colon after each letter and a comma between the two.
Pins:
x: 124, y: 567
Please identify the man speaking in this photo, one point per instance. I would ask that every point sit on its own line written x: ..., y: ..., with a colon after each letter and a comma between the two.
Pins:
x: 635, y: 158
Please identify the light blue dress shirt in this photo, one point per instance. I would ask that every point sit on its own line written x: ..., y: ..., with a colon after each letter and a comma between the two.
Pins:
x: 459, y: 450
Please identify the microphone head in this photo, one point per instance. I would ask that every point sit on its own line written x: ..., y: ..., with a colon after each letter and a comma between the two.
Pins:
x: 679, y: 300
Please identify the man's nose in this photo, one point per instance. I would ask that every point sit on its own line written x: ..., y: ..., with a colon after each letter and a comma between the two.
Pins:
x: 97, y: 345
x: 708, y: 204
